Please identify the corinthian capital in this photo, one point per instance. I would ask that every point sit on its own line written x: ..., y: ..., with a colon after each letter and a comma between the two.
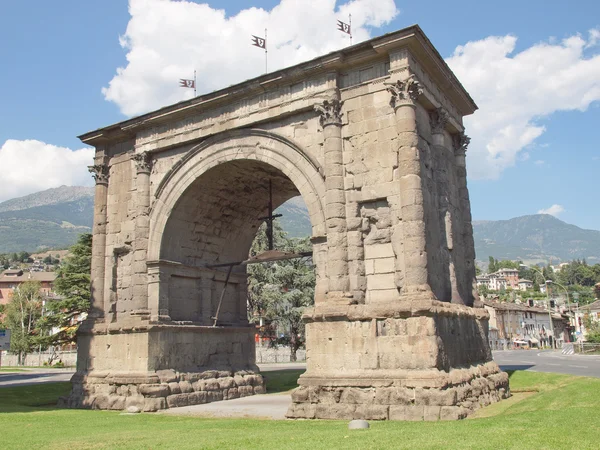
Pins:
x: 438, y: 119
x: 461, y: 142
x: 143, y: 162
x: 330, y: 112
x: 405, y: 92
x: 100, y: 173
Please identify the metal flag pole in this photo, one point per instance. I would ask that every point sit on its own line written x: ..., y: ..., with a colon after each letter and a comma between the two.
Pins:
x: 194, y: 82
x: 350, y: 24
x: 266, y: 71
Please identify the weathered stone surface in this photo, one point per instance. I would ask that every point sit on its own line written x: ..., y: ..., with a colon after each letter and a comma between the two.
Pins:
x: 167, y: 376
x: 185, y: 387
x: 174, y: 388
x: 378, y: 155
x: 177, y: 400
x: 371, y: 412
x: 154, y: 390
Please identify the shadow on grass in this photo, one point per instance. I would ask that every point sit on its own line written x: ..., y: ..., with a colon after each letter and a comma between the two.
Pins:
x: 279, y: 381
x: 512, y: 368
x: 40, y: 397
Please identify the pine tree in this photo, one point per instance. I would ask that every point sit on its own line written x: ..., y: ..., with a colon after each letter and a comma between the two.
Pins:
x: 280, y: 291
x: 73, y: 286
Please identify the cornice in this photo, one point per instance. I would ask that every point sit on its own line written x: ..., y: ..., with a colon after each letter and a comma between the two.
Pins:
x: 412, y: 38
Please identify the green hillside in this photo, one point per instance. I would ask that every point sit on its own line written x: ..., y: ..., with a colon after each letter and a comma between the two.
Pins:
x: 55, y: 217
x: 538, y: 237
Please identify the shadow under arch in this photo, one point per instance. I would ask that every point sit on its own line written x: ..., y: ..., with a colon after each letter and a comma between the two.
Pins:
x: 302, y: 169
x: 208, y: 210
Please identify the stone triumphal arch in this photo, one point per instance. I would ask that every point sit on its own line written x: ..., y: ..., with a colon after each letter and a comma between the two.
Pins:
x: 372, y: 138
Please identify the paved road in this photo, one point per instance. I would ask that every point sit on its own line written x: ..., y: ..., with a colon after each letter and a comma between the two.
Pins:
x: 34, y: 376
x: 548, y: 361
x: 534, y: 360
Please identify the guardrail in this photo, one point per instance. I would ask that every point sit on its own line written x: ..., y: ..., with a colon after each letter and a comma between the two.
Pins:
x: 586, y: 348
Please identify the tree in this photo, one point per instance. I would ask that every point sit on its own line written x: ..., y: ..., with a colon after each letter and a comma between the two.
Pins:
x: 492, y: 265
x: 281, y: 291
x: 73, y: 286
x: 483, y: 291
x: 23, y: 256
x: 592, y: 328
x: 23, y: 313
x: 260, y: 276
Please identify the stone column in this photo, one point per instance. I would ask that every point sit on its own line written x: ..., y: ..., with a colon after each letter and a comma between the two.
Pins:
x: 404, y: 95
x: 159, y: 277
x: 100, y: 172
x: 438, y: 121
x: 461, y: 142
x: 143, y: 165
x: 335, y: 199
x: 206, y: 312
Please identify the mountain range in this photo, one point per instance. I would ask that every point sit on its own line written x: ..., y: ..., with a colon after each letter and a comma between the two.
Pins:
x: 48, y: 219
x: 55, y: 217
x: 535, y: 238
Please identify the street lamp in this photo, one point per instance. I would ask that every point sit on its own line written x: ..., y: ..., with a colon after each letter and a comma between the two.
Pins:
x: 565, y: 289
x: 547, y: 299
x: 567, y: 293
x: 577, y: 325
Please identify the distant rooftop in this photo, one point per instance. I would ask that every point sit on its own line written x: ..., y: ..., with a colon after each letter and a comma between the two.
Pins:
x: 9, y: 276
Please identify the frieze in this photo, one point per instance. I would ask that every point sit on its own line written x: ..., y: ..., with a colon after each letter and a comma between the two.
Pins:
x: 243, y: 107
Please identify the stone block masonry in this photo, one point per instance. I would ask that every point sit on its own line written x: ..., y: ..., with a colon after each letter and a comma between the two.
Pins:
x: 153, y: 391
x: 372, y: 138
x: 422, y: 361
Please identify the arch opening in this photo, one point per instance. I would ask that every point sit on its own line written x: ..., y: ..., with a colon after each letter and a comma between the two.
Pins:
x: 214, y: 222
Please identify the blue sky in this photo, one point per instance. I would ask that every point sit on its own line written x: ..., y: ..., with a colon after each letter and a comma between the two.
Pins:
x: 533, y: 67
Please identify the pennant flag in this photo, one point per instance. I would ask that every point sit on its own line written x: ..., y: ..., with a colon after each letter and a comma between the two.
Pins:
x: 342, y: 26
x: 187, y: 83
x: 259, y: 42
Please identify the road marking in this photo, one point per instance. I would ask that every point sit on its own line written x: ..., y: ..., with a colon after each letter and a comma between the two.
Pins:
x: 552, y: 364
x: 579, y: 367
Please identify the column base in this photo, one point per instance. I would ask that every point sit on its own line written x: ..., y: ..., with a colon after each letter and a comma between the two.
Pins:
x: 409, y: 360
x: 153, y: 391
x: 411, y: 396
x: 158, y: 366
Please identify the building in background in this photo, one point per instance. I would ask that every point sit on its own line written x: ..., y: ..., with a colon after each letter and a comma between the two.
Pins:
x: 11, y: 279
x: 519, y: 325
x: 511, y: 276
x: 525, y: 285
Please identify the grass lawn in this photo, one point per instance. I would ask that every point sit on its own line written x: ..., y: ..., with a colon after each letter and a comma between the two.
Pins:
x: 547, y: 411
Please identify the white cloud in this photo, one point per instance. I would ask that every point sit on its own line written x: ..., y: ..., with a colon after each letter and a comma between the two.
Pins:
x: 166, y: 40
x: 539, y: 162
x: 554, y: 210
x: 594, y: 37
x: 31, y: 166
x: 513, y: 91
